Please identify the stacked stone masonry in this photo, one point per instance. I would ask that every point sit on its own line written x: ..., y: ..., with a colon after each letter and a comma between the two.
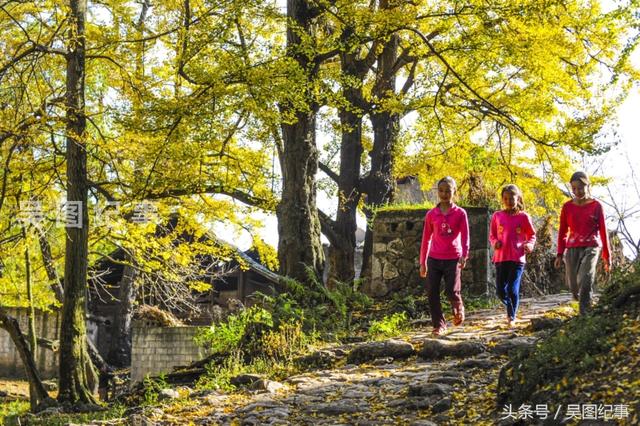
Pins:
x: 397, y: 235
x: 47, y: 325
x: 157, y: 350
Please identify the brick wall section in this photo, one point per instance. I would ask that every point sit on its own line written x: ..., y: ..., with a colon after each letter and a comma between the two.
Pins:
x: 158, y: 350
x: 396, y: 249
x: 47, y: 325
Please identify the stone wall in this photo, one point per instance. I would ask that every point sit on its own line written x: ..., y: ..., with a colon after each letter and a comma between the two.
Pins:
x: 396, y: 249
x: 157, y: 350
x: 47, y: 325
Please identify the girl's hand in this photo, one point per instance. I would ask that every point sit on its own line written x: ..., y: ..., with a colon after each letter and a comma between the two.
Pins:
x: 423, y: 271
x: 528, y: 248
x: 462, y: 262
x: 497, y: 245
x: 558, y: 261
x: 607, y: 265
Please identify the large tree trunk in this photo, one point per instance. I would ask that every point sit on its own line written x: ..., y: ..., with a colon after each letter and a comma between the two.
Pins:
x: 298, y: 223
x: 52, y: 275
x: 120, y: 351
x: 380, y: 184
x: 11, y: 325
x: 76, y: 369
x: 342, y: 249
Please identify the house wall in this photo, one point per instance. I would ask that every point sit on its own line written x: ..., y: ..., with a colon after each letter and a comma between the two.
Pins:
x: 158, y: 350
x: 47, y: 326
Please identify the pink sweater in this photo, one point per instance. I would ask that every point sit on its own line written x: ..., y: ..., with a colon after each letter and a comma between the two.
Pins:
x: 514, y: 231
x: 445, y: 236
x: 583, y: 226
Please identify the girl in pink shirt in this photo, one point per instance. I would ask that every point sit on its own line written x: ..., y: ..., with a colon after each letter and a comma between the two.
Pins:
x: 512, y: 236
x: 581, y: 238
x: 443, y: 253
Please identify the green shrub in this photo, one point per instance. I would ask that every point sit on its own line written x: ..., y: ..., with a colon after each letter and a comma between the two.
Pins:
x: 218, y: 377
x: 236, y: 332
x: 250, y: 341
x: 416, y: 304
x: 285, y: 342
x: 472, y: 303
x: 13, y: 408
x: 621, y: 281
x: 318, y: 308
x: 569, y: 352
x: 282, y: 325
x: 152, y: 387
x: 390, y: 325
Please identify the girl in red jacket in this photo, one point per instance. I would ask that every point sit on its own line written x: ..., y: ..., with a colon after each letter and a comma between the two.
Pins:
x: 443, y: 253
x: 512, y: 236
x: 581, y: 238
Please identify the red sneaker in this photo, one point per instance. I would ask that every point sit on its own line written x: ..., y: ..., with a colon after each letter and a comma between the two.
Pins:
x: 458, y: 315
x: 439, y: 331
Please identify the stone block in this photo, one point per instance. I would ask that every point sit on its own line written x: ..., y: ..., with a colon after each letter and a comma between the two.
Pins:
x: 379, y: 248
x: 389, y: 271
x: 396, y: 246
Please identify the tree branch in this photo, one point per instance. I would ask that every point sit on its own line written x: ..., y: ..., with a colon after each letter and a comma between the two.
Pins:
x: 36, y: 48
x: 483, y: 101
x: 211, y: 189
x: 410, y: 79
x: 98, y: 187
x: 327, y: 227
x: 333, y: 175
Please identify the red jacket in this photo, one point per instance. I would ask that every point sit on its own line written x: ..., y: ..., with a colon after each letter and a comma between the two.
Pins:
x: 583, y: 226
x: 514, y: 231
x: 445, y: 236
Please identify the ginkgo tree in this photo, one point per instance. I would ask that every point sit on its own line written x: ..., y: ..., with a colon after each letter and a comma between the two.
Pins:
x: 187, y: 103
x: 84, y: 105
x: 502, y: 90
x: 544, y: 91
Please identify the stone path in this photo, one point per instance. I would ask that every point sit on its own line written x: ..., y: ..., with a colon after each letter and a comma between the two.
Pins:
x: 450, y: 380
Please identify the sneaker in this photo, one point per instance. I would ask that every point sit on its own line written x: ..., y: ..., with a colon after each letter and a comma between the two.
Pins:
x: 439, y: 331
x: 512, y: 322
x: 458, y: 316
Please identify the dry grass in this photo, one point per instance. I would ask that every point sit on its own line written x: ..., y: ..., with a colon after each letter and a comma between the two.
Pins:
x: 18, y: 389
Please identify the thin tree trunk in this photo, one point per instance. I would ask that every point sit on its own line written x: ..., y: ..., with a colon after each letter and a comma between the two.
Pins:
x: 379, y: 184
x: 342, y: 251
x: 33, y: 344
x: 298, y: 223
x: 120, y: 350
x: 75, y: 366
x: 47, y: 260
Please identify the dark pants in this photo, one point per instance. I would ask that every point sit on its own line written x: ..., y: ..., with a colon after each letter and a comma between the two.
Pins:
x: 449, y: 270
x: 508, y: 276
